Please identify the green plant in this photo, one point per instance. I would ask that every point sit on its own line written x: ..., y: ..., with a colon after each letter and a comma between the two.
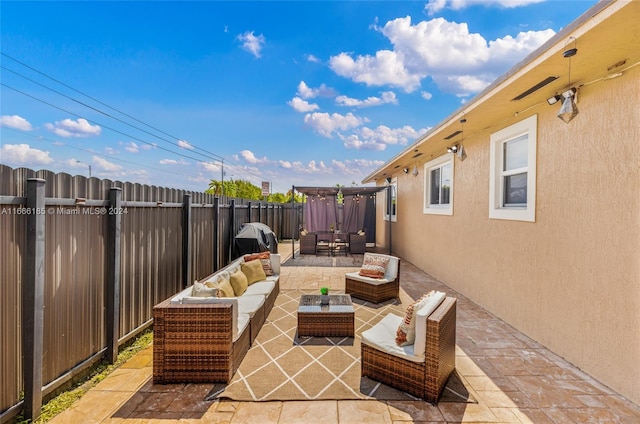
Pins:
x: 324, y: 290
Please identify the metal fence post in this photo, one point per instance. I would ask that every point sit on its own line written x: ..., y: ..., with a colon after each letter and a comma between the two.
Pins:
x: 216, y: 233
x: 112, y: 288
x: 33, y: 299
x: 186, y: 240
x: 232, y: 227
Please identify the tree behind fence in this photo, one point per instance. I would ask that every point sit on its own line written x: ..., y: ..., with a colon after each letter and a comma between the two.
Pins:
x: 158, y: 254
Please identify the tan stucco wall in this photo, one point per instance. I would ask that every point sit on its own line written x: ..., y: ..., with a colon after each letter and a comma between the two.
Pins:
x: 571, y: 280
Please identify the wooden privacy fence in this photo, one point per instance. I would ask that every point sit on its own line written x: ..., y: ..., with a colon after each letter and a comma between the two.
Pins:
x: 83, y: 262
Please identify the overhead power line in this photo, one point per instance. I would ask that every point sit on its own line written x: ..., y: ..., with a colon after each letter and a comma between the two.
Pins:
x: 195, y: 149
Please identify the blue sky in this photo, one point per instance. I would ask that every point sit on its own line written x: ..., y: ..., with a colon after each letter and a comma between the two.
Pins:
x: 304, y: 93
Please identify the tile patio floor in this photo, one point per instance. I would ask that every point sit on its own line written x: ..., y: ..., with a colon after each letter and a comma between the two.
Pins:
x: 514, y: 379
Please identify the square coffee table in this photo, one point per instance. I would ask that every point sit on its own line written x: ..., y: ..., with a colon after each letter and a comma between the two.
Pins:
x: 333, y: 320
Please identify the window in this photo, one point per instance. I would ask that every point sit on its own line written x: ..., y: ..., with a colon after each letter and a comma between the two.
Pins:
x: 438, y: 196
x: 512, y: 188
x: 394, y: 201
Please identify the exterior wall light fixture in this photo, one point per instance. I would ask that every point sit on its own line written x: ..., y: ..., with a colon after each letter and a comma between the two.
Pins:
x: 568, y: 110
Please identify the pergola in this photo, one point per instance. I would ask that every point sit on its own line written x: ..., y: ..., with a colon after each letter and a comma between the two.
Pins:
x: 324, y: 212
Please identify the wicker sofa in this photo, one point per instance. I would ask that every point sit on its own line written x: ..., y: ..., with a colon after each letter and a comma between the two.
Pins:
x: 204, y: 339
x: 422, y: 371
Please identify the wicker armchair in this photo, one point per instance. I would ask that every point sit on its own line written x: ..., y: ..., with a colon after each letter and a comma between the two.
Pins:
x: 375, y: 290
x: 357, y: 243
x: 425, y: 379
x: 308, y: 244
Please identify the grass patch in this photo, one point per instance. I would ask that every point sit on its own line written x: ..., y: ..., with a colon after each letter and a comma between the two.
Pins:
x: 98, y: 373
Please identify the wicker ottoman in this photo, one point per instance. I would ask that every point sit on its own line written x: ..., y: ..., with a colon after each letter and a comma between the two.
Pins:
x: 333, y: 320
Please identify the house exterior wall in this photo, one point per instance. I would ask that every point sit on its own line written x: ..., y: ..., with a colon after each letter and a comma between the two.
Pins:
x: 571, y: 279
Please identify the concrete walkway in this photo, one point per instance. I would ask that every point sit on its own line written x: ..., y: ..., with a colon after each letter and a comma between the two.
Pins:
x: 514, y: 379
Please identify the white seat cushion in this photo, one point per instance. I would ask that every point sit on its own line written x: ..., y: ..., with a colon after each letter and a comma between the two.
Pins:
x: 422, y: 314
x: 375, y: 281
x: 243, y: 321
x: 250, y: 304
x: 382, y: 336
x: 261, y: 287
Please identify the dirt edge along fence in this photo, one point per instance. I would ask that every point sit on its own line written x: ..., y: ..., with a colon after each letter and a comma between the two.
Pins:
x: 84, y: 260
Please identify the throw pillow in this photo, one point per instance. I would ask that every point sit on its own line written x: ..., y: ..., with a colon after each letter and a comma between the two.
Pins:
x: 265, y: 260
x: 406, y: 333
x: 223, y: 286
x: 201, y: 290
x: 253, y: 270
x: 374, y: 266
x: 239, y: 283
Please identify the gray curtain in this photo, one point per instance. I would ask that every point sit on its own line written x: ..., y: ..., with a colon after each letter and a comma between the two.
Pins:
x: 320, y: 213
x: 354, y: 208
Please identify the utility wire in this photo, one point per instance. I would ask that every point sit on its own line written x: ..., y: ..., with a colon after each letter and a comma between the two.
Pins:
x: 97, y: 101
x: 110, y: 157
x: 239, y: 168
x: 98, y: 123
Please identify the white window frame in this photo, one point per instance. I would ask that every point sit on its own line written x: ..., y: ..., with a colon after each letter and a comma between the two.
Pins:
x: 394, y: 190
x: 439, y: 162
x: 497, y: 208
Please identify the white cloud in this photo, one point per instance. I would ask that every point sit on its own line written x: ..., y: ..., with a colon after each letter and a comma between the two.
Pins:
x: 75, y: 163
x: 15, y: 122
x: 434, y: 6
x: 185, y: 145
x: 23, y: 154
x: 325, y: 124
x: 252, y: 43
x: 285, y: 164
x: 249, y: 157
x: 111, y: 151
x: 302, y: 105
x: 131, y: 147
x: 386, y: 97
x: 173, y: 162
x: 380, y: 137
x: 211, y: 166
x: 70, y: 128
x: 503, y: 50
x: 426, y: 95
x: 385, y: 68
x: 353, y: 169
x: 460, y: 62
x: 307, y: 92
x: 105, y: 165
x: 312, y: 58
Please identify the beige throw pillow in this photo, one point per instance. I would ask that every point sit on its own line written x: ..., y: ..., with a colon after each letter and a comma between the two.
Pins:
x: 201, y: 290
x: 374, y: 266
x: 406, y: 333
x: 253, y: 270
x: 223, y: 286
x: 239, y: 282
x: 265, y: 260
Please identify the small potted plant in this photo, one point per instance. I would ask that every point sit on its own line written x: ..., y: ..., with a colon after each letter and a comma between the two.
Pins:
x: 324, y: 295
